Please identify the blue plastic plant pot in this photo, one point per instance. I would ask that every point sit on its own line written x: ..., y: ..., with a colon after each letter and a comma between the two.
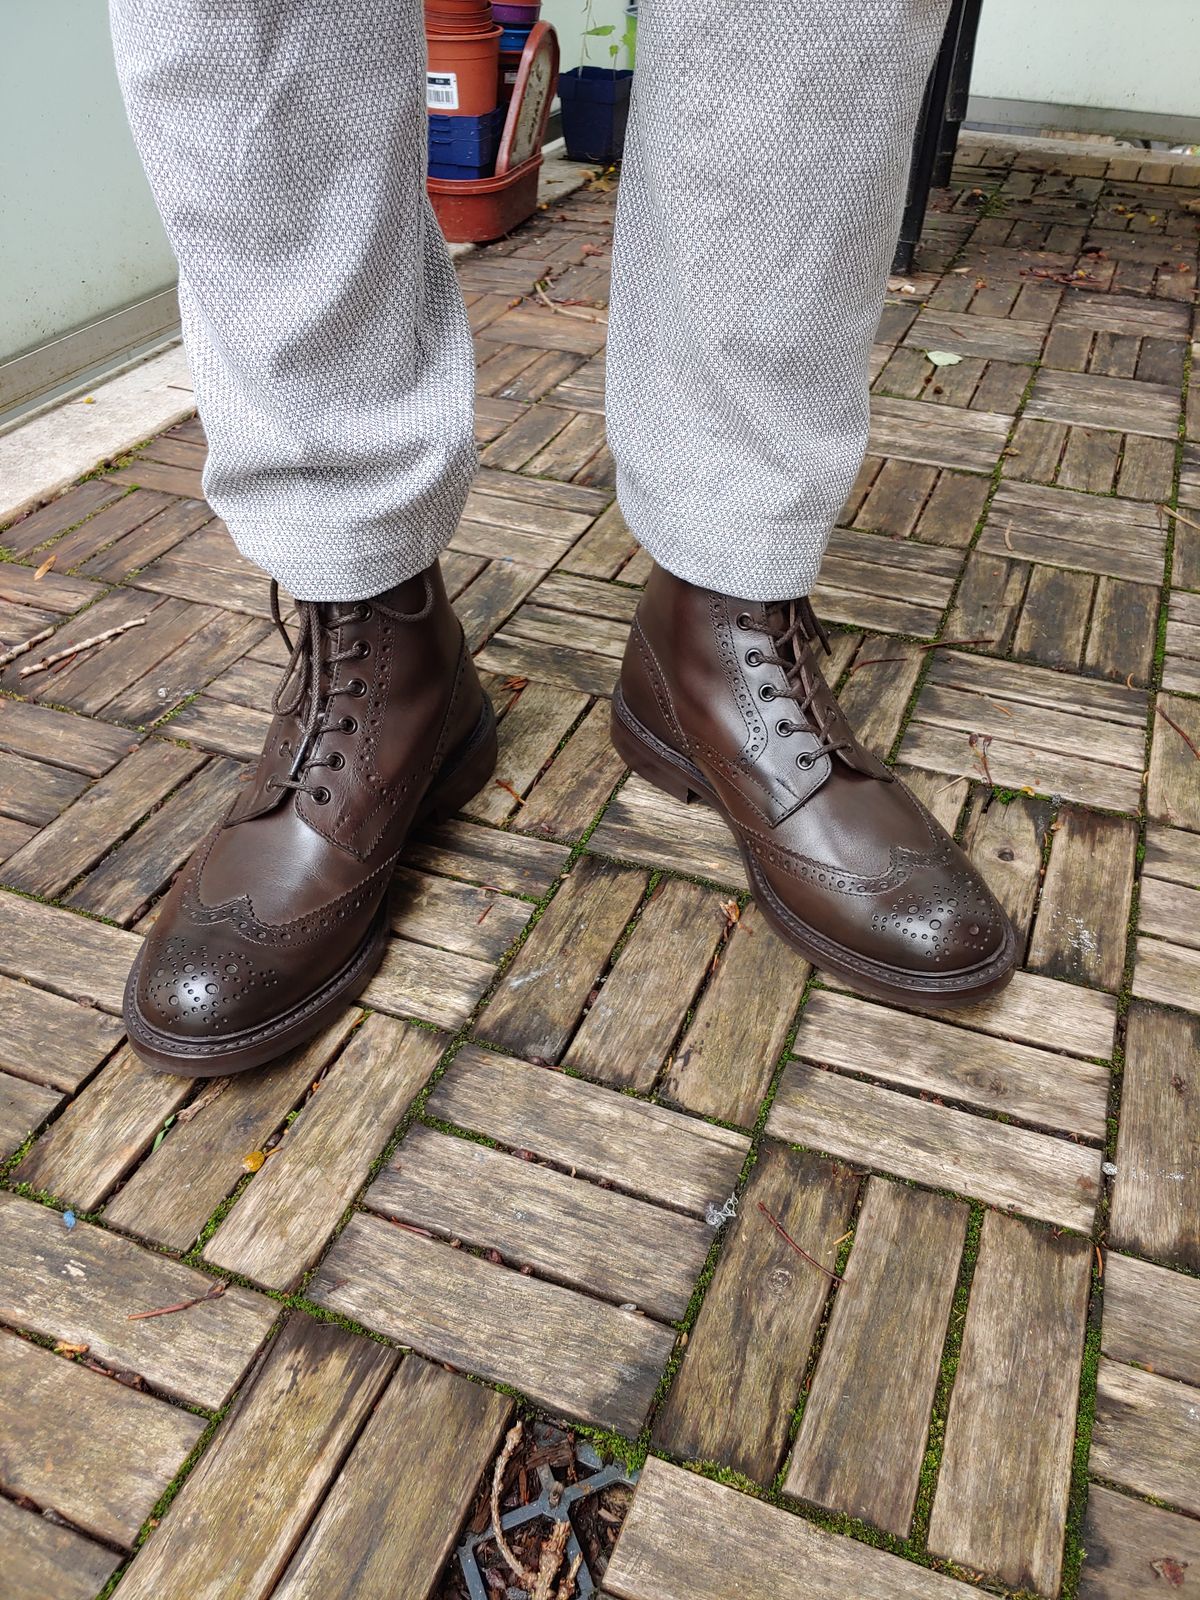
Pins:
x: 595, y: 110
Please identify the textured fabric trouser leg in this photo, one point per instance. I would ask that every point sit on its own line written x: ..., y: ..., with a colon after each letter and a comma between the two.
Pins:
x: 760, y: 201
x: 285, y: 143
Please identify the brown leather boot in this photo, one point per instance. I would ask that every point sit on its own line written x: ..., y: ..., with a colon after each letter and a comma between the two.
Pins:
x: 723, y: 700
x: 281, y: 915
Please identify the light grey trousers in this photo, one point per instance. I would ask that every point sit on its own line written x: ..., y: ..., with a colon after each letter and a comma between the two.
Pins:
x: 759, y: 204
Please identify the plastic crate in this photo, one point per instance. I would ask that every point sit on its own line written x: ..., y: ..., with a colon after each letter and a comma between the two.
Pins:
x: 467, y: 142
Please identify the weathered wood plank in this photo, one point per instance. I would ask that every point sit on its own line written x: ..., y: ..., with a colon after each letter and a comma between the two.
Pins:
x: 582, y: 776
x: 1125, y: 404
x: 51, y: 1040
x: 1001, y: 1500
x: 83, y: 833
x: 907, y: 429
x: 734, y: 1396
x: 1005, y: 840
x: 1145, y: 1436
x: 728, y: 1056
x: 1132, y: 1550
x: 1156, y: 1193
x: 1174, y: 795
x: 78, y: 1444
x: 630, y: 1026
x: 1082, y: 921
x: 687, y: 1538
x: 45, y: 1562
x: 24, y: 1106
x: 85, y: 1285
x: 1031, y: 1084
x: 536, y: 723
x: 541, y: 996
x: 637, y: 1146
x: 463, y: 917
x: 104, y: 1131
x: 643, y: 824
x: 862, y: 1436
x: 179, y: 1186
x: 62, y: 739
x: 1150, y: 1317
x: 283, y: 1220
x: 392, y: 1516
x: 34, y: 792
x: 536, y: 1217
x: 243, y: 1509
x: 84, y: 960
x: 576, y: 1356
x: 1030, y: 1173
x: 507, y: 862
x: 438, y: 986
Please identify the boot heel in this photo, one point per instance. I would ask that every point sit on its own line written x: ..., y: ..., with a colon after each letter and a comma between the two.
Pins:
x: 466, y: 772
x: 648, y: 763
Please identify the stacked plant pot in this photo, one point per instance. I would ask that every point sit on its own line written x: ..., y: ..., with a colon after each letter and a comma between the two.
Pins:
x: 464, y: 47
x: 516, y: 22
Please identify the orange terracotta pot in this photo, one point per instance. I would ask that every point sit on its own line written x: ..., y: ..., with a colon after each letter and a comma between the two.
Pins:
x: 463, y: 71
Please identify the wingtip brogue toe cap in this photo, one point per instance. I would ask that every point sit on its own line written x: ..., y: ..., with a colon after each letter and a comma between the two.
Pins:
x: 194, y: 986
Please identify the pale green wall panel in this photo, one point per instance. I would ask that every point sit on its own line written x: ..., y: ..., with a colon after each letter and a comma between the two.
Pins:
x: 79, y: 236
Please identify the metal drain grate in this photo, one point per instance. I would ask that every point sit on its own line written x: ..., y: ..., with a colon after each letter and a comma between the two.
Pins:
x: 554, y: 1504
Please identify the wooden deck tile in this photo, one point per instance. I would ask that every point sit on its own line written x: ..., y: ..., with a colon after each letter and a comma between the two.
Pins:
x: 1066, y: 528
x: 561, y: 1227
x: 110, y: 809
x: 1145, y: 1436
x: 1030, y: 1173
x: 1174, y: 795
x: 536, y: 723
x: 968, y: 440
x: 1156, y: 1193
x: 84, y: 1285
x: 1082, y: 920
x: 239, y: 1516
x: 104, y: 1131
x: 1119, y: 403
x: 1181, y: 669
x: 59, y: 514
x: 1132, y: 1549
x: 69, y: 954
x: 284, y: 1219
x: 576, y: 1356
x: 641, y: 1148
x: 1009, y: 338
x: 870, y: 582
x: 644, y: 824
x: 394, y: 1512
x: 629, y: 1028
x: 501, y: 861
x: 1150, y: 1317
x: 431, y: 985
x: 24, y: 1106
x: 687, y: 1538
x: 178, y: 1187
x: 84, y: 1447
x: 1073, y: 737
x: 727, y: 1057
x: 572, y: 941
x: 862, y: 1436
x: 1038, y: 1086
x: 49, y: 1040
x: 77, y: 743
x: 45, y: 1562
x: 743, y: 1369
x: 568, y: 794
x: 1001, y: 1500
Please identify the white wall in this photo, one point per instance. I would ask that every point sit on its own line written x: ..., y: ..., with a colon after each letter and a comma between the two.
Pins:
x: 1127, y: 55
x: 79, y: 236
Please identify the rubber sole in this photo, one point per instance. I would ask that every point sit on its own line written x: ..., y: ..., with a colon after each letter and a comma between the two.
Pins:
x: 667, y: 770
x: 459, y: 779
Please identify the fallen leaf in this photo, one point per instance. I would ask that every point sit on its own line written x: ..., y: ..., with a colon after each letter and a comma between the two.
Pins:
x: 65, y: 1348
x: 942, y: 358
x: 45, y: 567
x: 1170, y: 1569
x: 254, y: 1160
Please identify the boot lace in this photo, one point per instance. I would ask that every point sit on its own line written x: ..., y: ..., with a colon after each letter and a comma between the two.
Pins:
x: 793, y: 638
x: 307, y: 684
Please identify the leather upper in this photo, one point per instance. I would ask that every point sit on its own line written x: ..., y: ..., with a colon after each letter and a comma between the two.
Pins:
x: 277, y: 899
x: 834, y: 840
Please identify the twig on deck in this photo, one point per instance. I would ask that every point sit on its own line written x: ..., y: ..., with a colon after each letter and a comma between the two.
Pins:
x: 215, y: 1293
x: 940, y: 644
x: 1171, y: 723
x: 20, y: 649
x: 812, y: 1260
x: 84, y: 644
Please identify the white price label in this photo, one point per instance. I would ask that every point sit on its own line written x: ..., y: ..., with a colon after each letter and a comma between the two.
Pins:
x: 441, y: 91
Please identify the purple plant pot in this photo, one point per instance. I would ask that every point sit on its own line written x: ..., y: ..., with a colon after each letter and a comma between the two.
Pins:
x: 516, y: 16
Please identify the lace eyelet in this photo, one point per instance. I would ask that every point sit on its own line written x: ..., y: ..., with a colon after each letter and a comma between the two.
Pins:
x: 806, y: 760
x: 337, y: 761
x: 362, y: 649
x: 285, y: 749
x: 766, y: 692
x: 364, y: 612
x: 356, y: 687
x: 744, y: 619
x: 785, y: 728
x: 348, y: 725
x: 322, y: 796
x: 754, y: 658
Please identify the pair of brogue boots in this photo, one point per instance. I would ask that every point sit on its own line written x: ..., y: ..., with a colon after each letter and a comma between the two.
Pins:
x: 281, y: 916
